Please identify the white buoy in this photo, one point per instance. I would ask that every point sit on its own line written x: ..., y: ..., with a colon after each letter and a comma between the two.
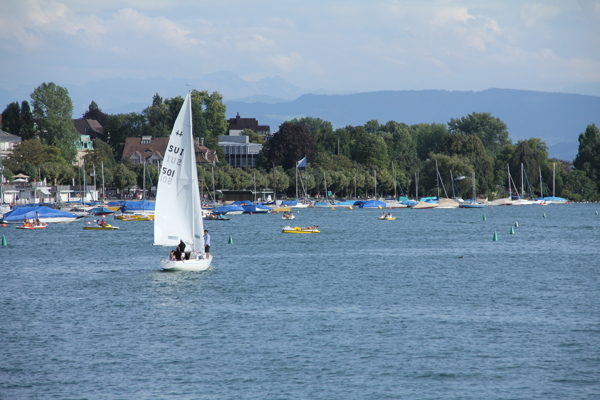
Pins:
x: 517, y: 224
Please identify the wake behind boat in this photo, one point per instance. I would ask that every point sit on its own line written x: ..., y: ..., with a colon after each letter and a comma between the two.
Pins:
x: 178, y: 210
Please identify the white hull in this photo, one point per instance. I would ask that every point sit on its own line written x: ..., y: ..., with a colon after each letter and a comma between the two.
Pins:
x: 301, y: 205
x: 200, y: 264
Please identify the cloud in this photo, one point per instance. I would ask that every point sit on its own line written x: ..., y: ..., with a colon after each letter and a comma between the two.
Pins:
x: 535, y: 14
x: 286, y: 62
x: 445, y: 16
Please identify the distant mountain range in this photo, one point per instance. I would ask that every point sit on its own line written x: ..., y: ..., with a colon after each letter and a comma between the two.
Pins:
x: 556, y: 118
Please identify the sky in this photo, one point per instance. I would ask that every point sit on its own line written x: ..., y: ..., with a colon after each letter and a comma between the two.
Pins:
x: 337, y: 45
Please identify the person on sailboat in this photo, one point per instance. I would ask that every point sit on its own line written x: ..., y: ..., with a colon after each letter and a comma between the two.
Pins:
x: 180, y: 251
x: 207, y: 243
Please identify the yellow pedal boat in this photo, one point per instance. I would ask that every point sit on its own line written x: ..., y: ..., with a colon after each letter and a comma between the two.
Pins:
x: 297, y: 229
x: 106, y: 227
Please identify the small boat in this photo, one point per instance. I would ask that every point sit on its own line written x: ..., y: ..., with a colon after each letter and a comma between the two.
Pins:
x: 288, y: 216
x: 101, y: 211
x: 105, y: 227
x: 135, y: 217
x: 32, y: 226
x: 387, y: 218
x: 216, y: 217
x: 297, y: 229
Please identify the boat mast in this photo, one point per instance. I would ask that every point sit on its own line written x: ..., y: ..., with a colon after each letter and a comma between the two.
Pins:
x: 144, y: 184
x: 213, y: 184
x: 553, y: 179
x: 437, y: 179
x: 395, y: 182
x: 522, y: 193
x: 325, y: 181
x: 541, y: 184
x: 103, y: 195
x: 375, y: 179
x: 508, y: 177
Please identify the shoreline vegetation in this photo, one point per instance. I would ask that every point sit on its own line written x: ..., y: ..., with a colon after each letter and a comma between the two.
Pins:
x: 375, y: 159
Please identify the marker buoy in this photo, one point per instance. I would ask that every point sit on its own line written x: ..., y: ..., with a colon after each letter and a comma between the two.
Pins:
x: 230, y: 240
x: 495, y: 236
x: 596, y: 214
x: 544, y: 215
x: 3, y: 240
x: 512, y: 230
x: 516, y: 224
x: 484, y: 217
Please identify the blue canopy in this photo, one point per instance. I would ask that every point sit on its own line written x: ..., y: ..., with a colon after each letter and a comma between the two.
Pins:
x: 18, y: 214
x: 142, y: 205
x: 373, y: 204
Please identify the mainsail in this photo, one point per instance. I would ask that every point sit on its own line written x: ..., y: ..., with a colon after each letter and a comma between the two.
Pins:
x: 178, y: 214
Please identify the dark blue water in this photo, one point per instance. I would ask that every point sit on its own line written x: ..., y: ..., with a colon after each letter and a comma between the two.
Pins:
x: 424, y: 307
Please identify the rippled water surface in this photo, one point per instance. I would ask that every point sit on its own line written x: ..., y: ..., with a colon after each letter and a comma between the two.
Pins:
x: 424, y: 307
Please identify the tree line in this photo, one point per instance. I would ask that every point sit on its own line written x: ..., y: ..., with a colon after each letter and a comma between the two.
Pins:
x: 371, y: 159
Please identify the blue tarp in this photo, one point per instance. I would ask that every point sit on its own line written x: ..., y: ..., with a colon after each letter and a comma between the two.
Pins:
x: 373, y: 204
x: 18, y: 214
x: 143, y: 205
x: 289, y: 202
x: 226, y: 209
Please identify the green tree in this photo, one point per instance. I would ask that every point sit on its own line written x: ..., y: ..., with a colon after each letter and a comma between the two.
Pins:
x: 578, y: 186
x: 255, y: 137
x: 52, y: 112
x: 492, y: 131
x: 57, y: 173
x: 158, y: 118
x: 27, y: 151
x: 11, y: 119
x: 429, y: 138
x: 94, y: 112
x: 121, y: 126
x: 279, y: 179
x: 213, y: 121
x: 102, y: 154
x: 588, y: 156
x: 123, y: 178
x: 27, y: 123
x: 330, y: 162
x: 371, y: 150
x: 289, y: 145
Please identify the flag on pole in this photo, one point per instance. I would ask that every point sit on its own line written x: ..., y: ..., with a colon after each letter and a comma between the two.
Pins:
x: 301, y: 163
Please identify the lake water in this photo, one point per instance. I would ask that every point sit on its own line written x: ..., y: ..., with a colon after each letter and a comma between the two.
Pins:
x: 424, y: 307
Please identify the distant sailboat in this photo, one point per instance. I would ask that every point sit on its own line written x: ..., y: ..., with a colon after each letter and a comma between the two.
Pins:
x: 178, y: 212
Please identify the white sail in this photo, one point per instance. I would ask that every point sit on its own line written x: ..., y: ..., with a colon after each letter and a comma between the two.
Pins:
x: 178, y: 214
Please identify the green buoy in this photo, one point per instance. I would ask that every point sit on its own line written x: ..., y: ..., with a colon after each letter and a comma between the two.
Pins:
x: 484, y: 217
x: 512, y: 230
x: 230, y: 240
x: 3, y: 240
x: 495, y: 236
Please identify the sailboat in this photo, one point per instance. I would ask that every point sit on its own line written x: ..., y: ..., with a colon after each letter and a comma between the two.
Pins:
x: 178, y: 211
x: 472, y: 203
